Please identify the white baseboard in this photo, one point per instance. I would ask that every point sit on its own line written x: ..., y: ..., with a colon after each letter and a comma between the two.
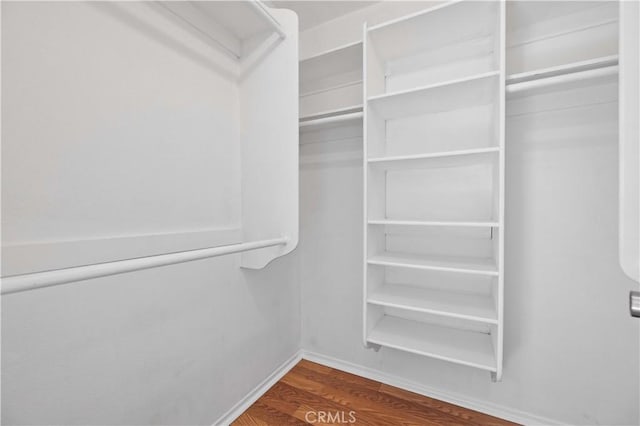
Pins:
x: 452, y: 398
x: 258, y: 391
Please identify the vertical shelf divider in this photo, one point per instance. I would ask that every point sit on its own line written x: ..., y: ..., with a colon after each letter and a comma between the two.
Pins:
x: 413, y: 210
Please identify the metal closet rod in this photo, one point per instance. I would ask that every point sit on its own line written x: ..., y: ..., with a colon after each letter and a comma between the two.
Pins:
x: 332, y: 119
x: 561, y: 78
x: 26, y: 282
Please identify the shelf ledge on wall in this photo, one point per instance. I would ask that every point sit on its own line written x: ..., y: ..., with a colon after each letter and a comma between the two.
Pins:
x: 463, y: 265
x: 431, y: 223
x: 397, y: 160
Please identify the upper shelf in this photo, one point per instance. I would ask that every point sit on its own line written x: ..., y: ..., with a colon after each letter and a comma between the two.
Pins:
x: 432, y: 28
x: 331, y: 81
x: 547, y: 34
x: 341, y: 60
x: 228, y: 24
x: 454, y: 157
x: 450, y: 95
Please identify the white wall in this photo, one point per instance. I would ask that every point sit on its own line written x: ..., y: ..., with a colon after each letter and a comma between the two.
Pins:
x: 118, y: 122
x: 100, y: 101
x: 571, y: 348
x: 178, y: 345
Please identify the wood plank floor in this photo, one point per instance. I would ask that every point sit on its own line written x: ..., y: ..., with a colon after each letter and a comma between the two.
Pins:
x: 315, y: 394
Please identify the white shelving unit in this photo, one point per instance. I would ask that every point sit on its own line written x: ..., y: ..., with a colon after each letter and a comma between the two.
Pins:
x: 434, y: 99
x: 429, y: 104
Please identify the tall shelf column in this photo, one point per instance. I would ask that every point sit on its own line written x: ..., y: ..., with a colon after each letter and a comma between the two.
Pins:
x: 434, y: 108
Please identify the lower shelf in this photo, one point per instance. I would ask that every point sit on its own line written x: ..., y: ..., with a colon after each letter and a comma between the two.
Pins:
x: 472, y: 307
x: 449, y: 344
x: 437, y: 263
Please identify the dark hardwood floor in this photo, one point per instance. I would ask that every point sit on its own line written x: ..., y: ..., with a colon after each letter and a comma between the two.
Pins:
x: 315, y: 394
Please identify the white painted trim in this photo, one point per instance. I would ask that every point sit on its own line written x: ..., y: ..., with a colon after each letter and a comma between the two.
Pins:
x: 242, y: 405
x: 452, y: 398
x: 38, y: 256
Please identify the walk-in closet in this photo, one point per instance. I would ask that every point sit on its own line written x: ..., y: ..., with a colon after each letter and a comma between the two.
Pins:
x: 320, y: 212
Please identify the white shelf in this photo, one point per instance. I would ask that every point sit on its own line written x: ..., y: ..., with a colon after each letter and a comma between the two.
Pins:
x: 449, y: 344
x: 425, y: 223
x: 526, y: 15
x: 332, y: 158
x: 387, y: 161
x: 341, y: 53
x: 333, y: 88
x: 228, y: 25
x: 341, y: 60
x: 478, y: 89
x: 473, y: 307
x: 417, y: 15
x: 465, y: 265
x: 442, y: 25
x: 548, y: 35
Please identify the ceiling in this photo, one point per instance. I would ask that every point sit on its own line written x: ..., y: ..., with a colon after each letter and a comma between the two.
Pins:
x: 312, y: 13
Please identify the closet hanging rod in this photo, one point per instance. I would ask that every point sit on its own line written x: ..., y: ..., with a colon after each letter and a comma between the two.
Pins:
x: 25, y: 282
x: 332, y: 120
x: 573, y: 77
x: 571, y: 68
